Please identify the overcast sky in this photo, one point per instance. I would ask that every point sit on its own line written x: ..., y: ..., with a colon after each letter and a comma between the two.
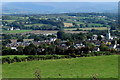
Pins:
x: 60, y: 0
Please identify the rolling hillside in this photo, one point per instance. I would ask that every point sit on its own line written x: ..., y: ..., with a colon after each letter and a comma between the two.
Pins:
x: 58, y: 7
x: 102, y: 66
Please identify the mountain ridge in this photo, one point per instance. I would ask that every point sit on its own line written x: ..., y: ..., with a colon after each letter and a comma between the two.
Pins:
x: 58, y: 7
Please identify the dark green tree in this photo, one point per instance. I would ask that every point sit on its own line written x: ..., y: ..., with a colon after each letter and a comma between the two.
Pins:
x: 60, y: 34
x: 99, y: 38
x: 20, y: 40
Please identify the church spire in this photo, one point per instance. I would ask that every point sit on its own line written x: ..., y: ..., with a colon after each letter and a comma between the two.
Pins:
x: 108, y: 33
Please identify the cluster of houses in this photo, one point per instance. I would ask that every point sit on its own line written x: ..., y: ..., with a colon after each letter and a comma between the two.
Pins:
x: 106, y: 39
x: 12, y: 28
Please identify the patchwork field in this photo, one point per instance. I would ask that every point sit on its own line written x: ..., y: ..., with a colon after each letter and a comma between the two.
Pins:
x: 40, y: 31
x: 9, y: 21
x: 96, y: 28
x: 86, y: 67
x: 16, y: 31
x: 35, y: 25
x: 68, y: 24
x: 67, y: 30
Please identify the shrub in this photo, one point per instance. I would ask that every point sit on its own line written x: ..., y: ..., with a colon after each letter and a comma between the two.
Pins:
x: 73, y: 55
x: 17, y: 59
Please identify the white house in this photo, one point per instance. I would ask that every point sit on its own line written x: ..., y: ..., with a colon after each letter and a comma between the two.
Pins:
x: 53, y: 39
x: 94, y: 37
x: 14, y: 48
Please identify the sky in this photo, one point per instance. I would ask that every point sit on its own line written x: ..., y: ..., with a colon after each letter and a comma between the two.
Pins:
x: 60, y: 0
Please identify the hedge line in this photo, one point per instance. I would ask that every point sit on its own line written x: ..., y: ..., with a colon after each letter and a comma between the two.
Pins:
x: 47, y: 57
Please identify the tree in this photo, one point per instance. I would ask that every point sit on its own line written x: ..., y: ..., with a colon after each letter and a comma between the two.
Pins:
x: 60, y: 50
x: 74, y: 24
x: 36, y: 39
x: 70, y: 50
x: 6, y: 50
x: 85, y: 50
x: 38, y: 74
x: 20, y: 40
x: 113, y: 42
x: 60, y: 34
x: 82, y: 25
x: 68, y: 43
x: 16, y: 24
x: 99, y: 38
x: 57, y: 42
x: 20, y: 50
x: 5, y: 42
x: 90, y: 45
x: 118, y: 41
x: 51, y: 49
x: 103, y: 47
x: 30, y: 49
x: 80, y: 36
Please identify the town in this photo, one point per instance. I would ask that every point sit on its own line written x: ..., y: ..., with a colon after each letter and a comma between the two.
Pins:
x: 60, y: 40
x: 65, y: 40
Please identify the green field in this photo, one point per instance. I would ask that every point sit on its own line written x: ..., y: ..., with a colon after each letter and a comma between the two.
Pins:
x: 16, y: 31
x: 10, y: 21
x: 12, y: 56
x: 0, y: 71
x: 96, y: 28
x: 86, y: 67
x: 34, y: 25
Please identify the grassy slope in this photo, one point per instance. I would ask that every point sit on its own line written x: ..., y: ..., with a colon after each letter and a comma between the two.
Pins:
x: 0, y: 71
x: 104, y: 66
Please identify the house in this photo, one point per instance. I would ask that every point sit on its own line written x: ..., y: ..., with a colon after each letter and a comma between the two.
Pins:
x: 12, y: 29
x: 94, y: 37
x: 103, y: 37
x: 14, y: 48
x: 17, y: 29
x: 53, y: 39
x: 96, y: 49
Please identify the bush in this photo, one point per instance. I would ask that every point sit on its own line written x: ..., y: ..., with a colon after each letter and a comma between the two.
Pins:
x: 46, y: 57
x: 73, y: 55
x: 6, y: 60
x: 17, y: 59
x: 88, y: 55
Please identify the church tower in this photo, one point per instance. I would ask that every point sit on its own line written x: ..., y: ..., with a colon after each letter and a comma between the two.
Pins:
x: 108, y: 35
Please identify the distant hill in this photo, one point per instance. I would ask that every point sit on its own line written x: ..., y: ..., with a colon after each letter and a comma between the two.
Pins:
x: 58, y: 7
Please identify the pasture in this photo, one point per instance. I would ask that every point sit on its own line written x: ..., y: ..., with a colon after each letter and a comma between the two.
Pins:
x: 85, y: 67
x: 10, y: 21
x: 54, y: 31
x: 16, y: 31
x: 68, y: 24
x: 12, y: 56
x: 41, y: 31
x: 96, y: 28
x: 34, y: 25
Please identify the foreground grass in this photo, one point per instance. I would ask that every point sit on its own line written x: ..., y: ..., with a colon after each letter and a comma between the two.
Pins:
x: 103, y: 66
x: 0, y: 71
